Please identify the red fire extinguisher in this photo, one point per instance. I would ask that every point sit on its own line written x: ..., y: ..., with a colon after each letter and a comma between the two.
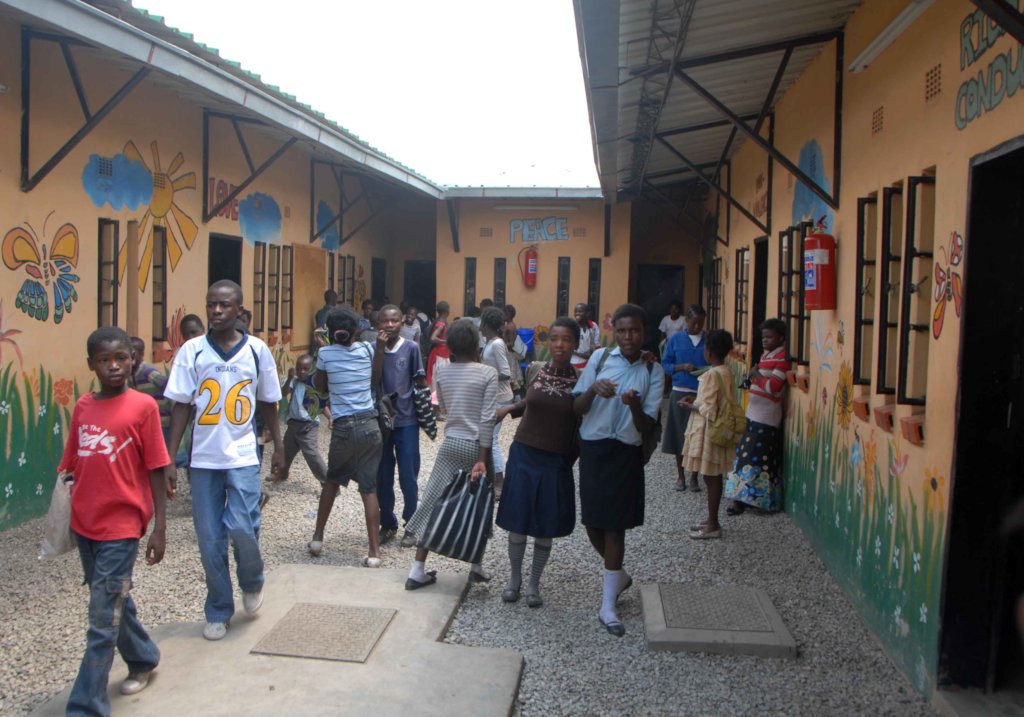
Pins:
x: 819, y: 269
x: 529, y: 268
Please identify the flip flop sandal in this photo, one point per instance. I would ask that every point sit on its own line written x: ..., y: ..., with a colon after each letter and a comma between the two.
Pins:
x: 369, y: 562
x: 411, y: 584
x: 698, y: 527
x: 614, y: 627
x: 706, y: 534
x: 315, y: 548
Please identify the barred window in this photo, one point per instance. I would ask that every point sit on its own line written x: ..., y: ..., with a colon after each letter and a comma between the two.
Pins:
x: 742, y: 296
x: 562, y: 296
x: 286, y: 287
x: 864, y: 301
x: 891, y: 270
x: 159, y: 283
x: 107, y: 278
x: 259, y: 287
x: 918, y: 254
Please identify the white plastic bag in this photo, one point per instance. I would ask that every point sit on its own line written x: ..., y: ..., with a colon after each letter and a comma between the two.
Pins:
x: 57, y: 536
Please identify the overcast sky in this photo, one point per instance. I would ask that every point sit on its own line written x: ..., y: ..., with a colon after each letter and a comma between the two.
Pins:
x: 465, y: 92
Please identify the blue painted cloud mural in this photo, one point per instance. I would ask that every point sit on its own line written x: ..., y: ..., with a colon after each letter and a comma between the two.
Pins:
x: 259, y: 218
x: 329, y: 239
x: 121, y: 182
x: 807, y: 206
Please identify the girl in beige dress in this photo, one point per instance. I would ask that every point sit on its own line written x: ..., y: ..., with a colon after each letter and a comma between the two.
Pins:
x: 699, y: 454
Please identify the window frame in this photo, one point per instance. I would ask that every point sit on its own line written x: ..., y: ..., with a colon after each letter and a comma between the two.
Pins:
x: 594, y: 285
x: 792, y: 299
x: 468, y: 284
x: 107, y: 287
x: 500, y: 280
x: 862, y: 375
x: 273, y: 285
x: 911, y: 254
x: 286, y: 288
x: 159, y: 239
x: 259, y: 286
x: 331, y: 272
x: 886, y: 260
x: 741, y: 312
x: 562, y: 286
x: 350, y: 279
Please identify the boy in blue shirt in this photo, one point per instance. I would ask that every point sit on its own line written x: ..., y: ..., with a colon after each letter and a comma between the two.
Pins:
x: 684, y: 354
x: 402, y: 372
x: 303, y: 418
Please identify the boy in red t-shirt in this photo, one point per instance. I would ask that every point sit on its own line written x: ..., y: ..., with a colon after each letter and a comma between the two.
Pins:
x: 117, y: 454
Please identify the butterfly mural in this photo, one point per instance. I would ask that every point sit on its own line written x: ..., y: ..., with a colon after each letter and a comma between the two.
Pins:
x: 948, y: 284
x: 46, y: 266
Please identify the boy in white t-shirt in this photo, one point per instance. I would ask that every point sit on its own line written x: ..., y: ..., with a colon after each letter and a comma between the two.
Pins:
x: 673, y: 322
x: 226, y: 374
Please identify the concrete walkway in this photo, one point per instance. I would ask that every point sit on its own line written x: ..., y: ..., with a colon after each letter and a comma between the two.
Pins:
x: 407, y: 673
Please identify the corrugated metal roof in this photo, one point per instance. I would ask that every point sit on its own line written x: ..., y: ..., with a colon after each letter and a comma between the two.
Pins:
x: 626, y: 116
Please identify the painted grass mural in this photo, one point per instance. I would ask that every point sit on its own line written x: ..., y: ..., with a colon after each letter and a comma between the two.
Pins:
x: 35, y: 410
x: 848, y: 489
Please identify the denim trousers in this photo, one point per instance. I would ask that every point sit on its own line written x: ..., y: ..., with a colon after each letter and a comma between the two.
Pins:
x: 113, y: 623
x: 225, y: 504
x: 403, y: 447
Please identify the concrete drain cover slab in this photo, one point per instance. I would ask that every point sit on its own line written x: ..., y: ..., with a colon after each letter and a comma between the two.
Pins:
x: 725, y: 619
x: 326, y: 632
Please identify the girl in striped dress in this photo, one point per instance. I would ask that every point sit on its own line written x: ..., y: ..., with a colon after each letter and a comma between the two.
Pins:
x: 467, y: 390
x: 756, y: 478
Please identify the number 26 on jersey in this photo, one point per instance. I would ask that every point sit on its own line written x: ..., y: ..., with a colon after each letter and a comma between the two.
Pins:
x: 236, y: 408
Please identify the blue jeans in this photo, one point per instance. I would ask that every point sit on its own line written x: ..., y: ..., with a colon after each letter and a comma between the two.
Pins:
x: 107, y: 565
x: 403, y: 445
x: 225, y: 504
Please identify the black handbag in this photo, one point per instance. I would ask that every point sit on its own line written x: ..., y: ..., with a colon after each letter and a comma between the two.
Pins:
x: 460, y: 522
x: 424, y: 411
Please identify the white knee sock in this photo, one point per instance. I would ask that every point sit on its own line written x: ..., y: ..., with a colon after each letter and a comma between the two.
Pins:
x: 417, y: 571
x: 612, y: 581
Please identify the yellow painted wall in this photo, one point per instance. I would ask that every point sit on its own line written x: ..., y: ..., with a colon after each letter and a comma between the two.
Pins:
x: 155, y: 136
x: 535, y: 306
x: 918, y: 136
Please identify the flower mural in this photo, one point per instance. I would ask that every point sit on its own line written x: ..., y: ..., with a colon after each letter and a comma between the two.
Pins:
x: 880, y: 529
x: 7, y: 337
x: 844, y: 396
x: 62, y: 391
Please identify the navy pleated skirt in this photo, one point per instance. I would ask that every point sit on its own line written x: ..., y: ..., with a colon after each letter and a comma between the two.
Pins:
x: 539, y: 495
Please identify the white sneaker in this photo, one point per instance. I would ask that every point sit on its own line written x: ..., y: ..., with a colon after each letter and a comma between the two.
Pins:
x: 136, y: 682
x: 252, y: 601
x: 215, y: 630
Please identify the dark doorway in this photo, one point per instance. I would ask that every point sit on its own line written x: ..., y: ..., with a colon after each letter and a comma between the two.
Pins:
x: 378, y: 280
x: 421, y: 285
x: 657, y: 285
x: 225, y: 260
x: 759, y: 312
x: 984, y: 571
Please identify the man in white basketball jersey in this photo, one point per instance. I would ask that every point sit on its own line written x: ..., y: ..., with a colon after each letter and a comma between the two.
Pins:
x: 226, y: 374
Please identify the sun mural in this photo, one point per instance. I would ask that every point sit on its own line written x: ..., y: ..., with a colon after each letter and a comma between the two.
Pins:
x: 163, y: 211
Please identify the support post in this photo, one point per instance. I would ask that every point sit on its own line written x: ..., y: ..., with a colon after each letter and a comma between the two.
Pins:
x: 453, y: 223
x: 757, y: 139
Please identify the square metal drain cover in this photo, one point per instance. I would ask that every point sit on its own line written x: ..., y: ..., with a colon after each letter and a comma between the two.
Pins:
x: 725, y: 619
x: 326, y: 632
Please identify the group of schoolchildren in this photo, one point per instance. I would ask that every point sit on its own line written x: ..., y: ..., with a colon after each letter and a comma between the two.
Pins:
x: 587, y: 403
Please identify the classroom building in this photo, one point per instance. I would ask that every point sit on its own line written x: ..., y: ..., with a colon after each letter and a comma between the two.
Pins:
x: 892, y: 127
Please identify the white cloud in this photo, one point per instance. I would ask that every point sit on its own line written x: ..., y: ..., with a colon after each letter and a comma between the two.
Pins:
x: 466, y: 92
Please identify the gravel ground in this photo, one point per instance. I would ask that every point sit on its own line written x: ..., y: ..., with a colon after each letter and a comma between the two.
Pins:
x: 572, y: 665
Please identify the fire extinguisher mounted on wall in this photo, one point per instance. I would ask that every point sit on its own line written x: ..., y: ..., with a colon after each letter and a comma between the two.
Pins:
x: 528, y: 268
x: 819, y: 269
